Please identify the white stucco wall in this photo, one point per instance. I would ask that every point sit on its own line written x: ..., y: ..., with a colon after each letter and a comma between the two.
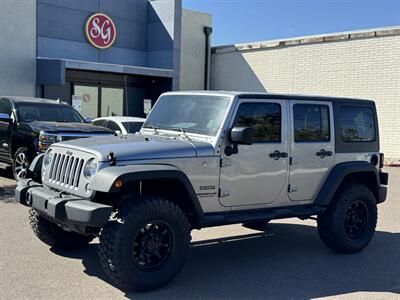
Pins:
x: 18, y: 47
x: 193, y: 49
x: 361, y: 65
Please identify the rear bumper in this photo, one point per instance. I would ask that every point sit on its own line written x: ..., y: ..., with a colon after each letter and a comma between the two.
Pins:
x: 62, y: 208
x: 382, y: 191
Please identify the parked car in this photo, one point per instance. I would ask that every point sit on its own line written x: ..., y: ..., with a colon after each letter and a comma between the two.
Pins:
x: 28, y: 126
x: 208, y: 159
x: 120, y: 125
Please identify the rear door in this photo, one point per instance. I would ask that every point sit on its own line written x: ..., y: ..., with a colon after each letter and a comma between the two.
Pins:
x: 312, y: 147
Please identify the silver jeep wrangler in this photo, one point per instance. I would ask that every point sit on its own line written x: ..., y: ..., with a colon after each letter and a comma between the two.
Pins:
x: 208, y: 159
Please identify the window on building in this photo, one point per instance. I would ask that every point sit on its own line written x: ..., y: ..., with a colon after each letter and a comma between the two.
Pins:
x: 357, y: 124
x: 265, y: 118
x: 311, y: 123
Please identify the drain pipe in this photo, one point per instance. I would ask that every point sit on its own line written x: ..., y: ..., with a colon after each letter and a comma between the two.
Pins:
x: 207, y: 31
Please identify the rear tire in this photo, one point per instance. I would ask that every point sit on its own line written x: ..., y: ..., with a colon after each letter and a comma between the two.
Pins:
x: 146, y: 245
x: 348, y: 225
x: 20, y: 164
x: 52, y: 235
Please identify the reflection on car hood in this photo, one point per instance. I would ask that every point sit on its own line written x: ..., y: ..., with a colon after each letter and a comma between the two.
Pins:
x: 60, y: 127
x: 138, y: 147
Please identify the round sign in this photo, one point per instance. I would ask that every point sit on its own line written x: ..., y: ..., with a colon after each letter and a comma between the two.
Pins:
x: 100, y: 31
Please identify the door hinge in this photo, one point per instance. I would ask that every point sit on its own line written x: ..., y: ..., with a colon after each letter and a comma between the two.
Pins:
x: 291, y: 188
x: 222, y: 193
x: 225, y: 162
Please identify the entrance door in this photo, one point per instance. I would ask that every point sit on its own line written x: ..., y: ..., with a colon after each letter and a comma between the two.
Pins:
x: 312, y: 148
x: 252, y: 176
x: 98, y: 101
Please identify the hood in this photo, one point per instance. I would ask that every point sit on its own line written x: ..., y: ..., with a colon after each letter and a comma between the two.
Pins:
x: 59, y: 127
x: 138, y: 147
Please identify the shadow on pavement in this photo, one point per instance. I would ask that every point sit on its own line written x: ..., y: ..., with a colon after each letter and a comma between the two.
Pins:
x: 289, y: 261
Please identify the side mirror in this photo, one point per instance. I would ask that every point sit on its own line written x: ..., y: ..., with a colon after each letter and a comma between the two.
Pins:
x: 5, y: 118
x: 118, y: 132
x: 242, y: 135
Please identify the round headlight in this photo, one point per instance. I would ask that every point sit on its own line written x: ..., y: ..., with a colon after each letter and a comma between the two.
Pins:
x: 47, y: 158
x: 90, y: 168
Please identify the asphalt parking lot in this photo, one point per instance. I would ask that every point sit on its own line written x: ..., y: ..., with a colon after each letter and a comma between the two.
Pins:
x: 287, y: 261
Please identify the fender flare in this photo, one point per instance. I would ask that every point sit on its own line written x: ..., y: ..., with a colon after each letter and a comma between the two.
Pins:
x: 103, y: 181
x: 336, y: 177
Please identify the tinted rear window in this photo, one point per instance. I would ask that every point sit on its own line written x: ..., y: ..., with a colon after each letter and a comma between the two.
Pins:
x: 357, y: 124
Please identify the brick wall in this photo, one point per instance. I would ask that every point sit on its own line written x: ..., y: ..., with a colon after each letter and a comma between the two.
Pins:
x: 358, y: 64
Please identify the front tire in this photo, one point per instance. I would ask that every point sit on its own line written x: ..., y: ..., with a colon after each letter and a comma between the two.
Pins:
x: 348, y: 224
x: 54, y: 236
x: 146, y: 245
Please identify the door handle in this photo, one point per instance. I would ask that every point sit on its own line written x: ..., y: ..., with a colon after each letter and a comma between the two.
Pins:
x: 322, y: 153
x: 277, y: 154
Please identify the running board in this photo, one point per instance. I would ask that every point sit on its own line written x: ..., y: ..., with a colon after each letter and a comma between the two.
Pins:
x: 246, y: 216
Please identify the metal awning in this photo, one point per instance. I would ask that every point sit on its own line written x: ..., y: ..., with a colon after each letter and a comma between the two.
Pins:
x: 51, y: 71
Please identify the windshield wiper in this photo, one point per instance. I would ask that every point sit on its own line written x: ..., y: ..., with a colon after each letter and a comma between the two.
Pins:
x: 181, y: 130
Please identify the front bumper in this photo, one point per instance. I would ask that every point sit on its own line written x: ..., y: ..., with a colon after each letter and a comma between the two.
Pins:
x: 60, y: 207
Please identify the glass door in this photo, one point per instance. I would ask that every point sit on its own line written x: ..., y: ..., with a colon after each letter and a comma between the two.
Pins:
x: 86, y: 100
x: 112, y: 101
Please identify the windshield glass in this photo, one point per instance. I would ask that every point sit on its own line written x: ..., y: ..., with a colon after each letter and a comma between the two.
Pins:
x: 201, y: 114
x: 30, y: 112
x: 132, y: 127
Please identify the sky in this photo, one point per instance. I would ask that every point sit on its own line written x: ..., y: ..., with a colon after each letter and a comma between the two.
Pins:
x: 242, y: 21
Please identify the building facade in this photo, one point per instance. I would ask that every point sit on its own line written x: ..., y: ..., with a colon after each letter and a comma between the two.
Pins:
x: 104, y: 57
x: 363, y: 64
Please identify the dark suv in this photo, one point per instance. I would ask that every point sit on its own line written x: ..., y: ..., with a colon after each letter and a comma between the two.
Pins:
x: 28, y: 126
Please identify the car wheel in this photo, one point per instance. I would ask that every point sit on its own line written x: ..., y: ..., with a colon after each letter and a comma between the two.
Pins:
x: 349, y: 222
x: 54, y: 236
x: 21, y: 162
x: 146, y: 245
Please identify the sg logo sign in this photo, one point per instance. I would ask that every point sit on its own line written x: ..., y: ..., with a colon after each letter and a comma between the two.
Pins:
x: 100, y: 31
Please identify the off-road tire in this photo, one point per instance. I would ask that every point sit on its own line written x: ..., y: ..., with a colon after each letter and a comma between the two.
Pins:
x: 118, y: 237
x: 260, y: 226
x: 52, y: 235
x: 23, y: 151
x: 331, y: 224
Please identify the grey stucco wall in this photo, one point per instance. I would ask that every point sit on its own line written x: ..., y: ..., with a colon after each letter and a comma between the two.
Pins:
x: 193, y: 49
x: 18, y: 47
x: 145, y: 31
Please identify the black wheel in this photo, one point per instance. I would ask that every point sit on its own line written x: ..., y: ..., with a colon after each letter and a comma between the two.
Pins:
x: 54, y: 236
x: 260, y: 226
x: 146, y: 245
x: 21, y: 162
x: 348, y: 224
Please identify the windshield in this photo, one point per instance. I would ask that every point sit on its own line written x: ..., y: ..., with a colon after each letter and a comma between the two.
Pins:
x: 202, y: 114
x: 30, y: 112
x: 132, y: 127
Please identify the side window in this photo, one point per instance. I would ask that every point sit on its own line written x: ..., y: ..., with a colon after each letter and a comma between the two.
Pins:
x: 265, y: 118
x: 311, y: 123
x: 101, y: 123
x: 5, y: 107
x: 357, y: 124
x: 113, y: 126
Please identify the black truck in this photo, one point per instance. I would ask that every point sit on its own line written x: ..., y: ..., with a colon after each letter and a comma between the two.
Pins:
x: 28, y: 126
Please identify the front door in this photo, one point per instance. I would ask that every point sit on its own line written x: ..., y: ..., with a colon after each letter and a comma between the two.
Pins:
x: 5, y: 131
x: 312, y: 148
x: 257, y: 174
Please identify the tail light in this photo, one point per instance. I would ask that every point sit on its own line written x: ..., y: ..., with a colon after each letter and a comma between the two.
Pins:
x: 381, y: 160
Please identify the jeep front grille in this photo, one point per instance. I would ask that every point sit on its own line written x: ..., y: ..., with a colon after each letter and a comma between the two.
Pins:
x: 65, y: 170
